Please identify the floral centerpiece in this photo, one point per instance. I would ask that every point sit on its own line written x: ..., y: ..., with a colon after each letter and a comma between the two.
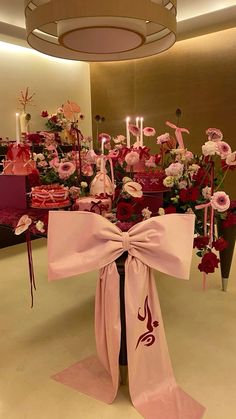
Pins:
x: 189, y: 183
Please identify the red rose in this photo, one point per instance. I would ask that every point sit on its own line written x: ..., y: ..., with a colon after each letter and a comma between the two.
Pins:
x: 170, y: 209
x: 189, y: 194
x: 229, y: 221
x: 44, y: 114
x: 200, y: 242
x: 34, y: 138
x: 34, y: 178
x: 124, y: 211
x: 54, y: 119
x: 220, y: 244
x: 208, y: 263
x: 201, y: 177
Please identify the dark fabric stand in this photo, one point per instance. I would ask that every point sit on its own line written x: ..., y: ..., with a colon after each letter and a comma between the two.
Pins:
x: 120, y: 263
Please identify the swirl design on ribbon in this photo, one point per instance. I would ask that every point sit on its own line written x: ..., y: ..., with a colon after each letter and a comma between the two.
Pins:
x: 148, y: 337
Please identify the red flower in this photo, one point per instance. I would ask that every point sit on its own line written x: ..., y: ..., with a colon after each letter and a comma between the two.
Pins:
x: 230, y: 220
x: 124, y: 211
x: 44, y: 114
x: 170, y: 209
x: 34, y: 138
x: 209, y: 262
x: 200, y: 242
x: 226, y: 166
x: 201, y: 177
x: 220, y: 244
x: 189, y: 194
x: 34, y: 178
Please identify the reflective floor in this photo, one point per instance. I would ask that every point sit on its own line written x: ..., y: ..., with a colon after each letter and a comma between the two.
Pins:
x: 37, y: 343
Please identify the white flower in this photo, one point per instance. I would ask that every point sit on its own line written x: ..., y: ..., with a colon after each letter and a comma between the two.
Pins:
x: 23, y: 224
x: 231, y: 159
x: 163, y: 138
x: 119, y: 139
x: 169, y: 181
x: 194, y: 168
x: 182, y: 184
x: 210, y: 148
x: 174, y: 169
x: 126, y: 179
x: 40, y: 226
x: 83, y: 185
x: 146, y: 213
x: 206, y: 192
x: 190, y: 211
x: 161, y: 211
x: 133, y: 188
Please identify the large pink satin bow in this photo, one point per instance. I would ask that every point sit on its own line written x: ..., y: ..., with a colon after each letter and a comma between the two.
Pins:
x: 178, y: 133
x: 81, y: 242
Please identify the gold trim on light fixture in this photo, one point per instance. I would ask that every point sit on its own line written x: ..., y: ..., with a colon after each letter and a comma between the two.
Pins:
x: 117, y: 29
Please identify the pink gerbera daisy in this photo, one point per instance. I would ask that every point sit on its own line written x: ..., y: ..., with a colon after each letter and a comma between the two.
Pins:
x: 220, y: 201
x: 149, y: 132
x: 66, y: 169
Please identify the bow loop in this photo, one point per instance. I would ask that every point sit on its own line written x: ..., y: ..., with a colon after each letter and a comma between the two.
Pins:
x: 80, y: 242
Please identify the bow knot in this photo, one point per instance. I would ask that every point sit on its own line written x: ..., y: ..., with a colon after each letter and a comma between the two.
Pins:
x: 126, y: 241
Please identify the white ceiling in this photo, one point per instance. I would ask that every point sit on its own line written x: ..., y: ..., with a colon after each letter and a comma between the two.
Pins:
x: 208, y: 15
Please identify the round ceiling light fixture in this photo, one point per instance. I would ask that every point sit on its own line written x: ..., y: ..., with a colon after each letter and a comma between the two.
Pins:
x: 104, y: 30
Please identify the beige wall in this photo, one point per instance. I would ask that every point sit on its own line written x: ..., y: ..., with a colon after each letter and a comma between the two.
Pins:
x: 197, y: 75
x: 53, y: 81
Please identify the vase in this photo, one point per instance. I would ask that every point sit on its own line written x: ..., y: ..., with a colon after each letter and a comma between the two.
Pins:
x: 226, y: 255
x: 23, y: 122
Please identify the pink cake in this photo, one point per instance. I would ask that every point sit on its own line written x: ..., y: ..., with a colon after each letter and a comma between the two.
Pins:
x: 93, y: 204
x: 50, y: 196
x: 18, y: 160
x: 150, y: 181
x: 153, y: 189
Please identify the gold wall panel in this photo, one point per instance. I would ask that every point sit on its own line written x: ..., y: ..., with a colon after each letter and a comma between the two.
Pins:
x: 197, y: 75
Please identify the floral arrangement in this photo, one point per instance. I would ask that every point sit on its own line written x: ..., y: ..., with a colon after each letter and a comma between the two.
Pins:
x: 188, y: 183
x: 64, y: 118
x: 25, y: 98
x: 195, y: 186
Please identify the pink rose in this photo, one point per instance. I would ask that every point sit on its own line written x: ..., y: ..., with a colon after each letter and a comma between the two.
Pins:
x: 163, y: 138
x: 224, y: 149
x: 132, y: 158
x: 175, y: 169
x: 214, y: 134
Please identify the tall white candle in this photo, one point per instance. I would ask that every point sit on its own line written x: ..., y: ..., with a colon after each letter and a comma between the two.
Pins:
x: 18, y: 134
x: 137, y: 125
x: 127, y: 132
x: 141, y: 131
x: 103, y: 142
x: 91, y: 144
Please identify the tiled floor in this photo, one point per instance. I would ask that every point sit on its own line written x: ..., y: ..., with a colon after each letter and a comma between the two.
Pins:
x: 36, y: 343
